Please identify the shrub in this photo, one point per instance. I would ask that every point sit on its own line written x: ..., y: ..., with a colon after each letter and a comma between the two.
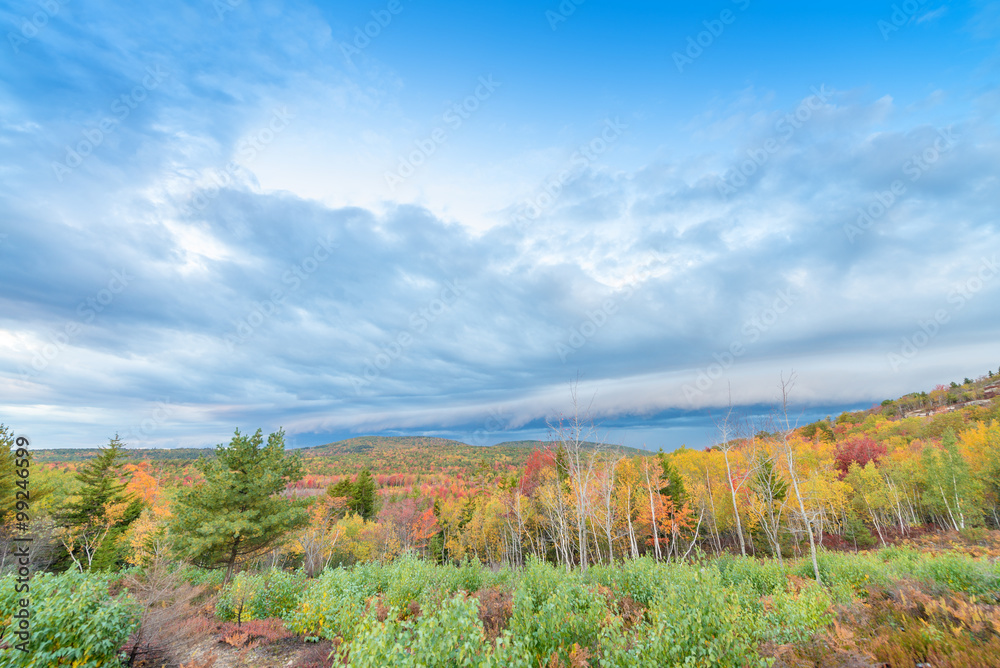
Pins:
x: 335, y: 604
x: 958, y: 572
x: 640, y: 579
x: 844, y: 570
x: 259, y: 596
x: 254, y: 633
x: 74, y: 622
x: 571, y: 615
x: 762, y: 576
x: 408, y: 579
x: 796, y: 618
x: 202, y: 577
x: 496, y: 607
x: 701, y: 623
x: 451, y: 637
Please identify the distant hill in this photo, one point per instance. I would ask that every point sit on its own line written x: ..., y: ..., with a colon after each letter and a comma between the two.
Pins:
x: 396, y: 454
x: 422, y: 454
x: 146, y: 454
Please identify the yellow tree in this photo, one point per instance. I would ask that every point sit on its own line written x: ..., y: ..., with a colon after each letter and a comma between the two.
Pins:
x: 979, y: 445
x: 628, y: 501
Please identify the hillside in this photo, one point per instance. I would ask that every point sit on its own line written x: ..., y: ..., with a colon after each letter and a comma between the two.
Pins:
x: 380, y: 454
x: 416, y: 454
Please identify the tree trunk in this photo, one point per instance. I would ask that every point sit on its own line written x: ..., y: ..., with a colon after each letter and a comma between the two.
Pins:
x: 232, y: 562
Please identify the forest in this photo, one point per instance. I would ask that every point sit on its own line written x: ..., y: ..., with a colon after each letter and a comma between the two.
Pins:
x: 871, y: 538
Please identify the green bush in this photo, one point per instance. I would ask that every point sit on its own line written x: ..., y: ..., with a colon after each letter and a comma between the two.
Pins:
x: 264, y: 595
x: 796, y: 618
x: 712, y: 614
x: 409, y: 578
x: 74, y: 621
x: 336, y: 603
x: 553, y: 613
x: 451, y: 637
x: 958, y: 572
x: 762, y: 576
x: 842, y: 570
x: 700, y: 624
x: 201, y: 576
x: 641, y: 579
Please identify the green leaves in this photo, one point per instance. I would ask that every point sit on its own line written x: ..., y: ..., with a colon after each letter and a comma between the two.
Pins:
x: 94, y: 522
x: 450, y: 637
x: 264, y: 595
x: 360, y: 495
x: 74, y: 621
x: 236, y: 512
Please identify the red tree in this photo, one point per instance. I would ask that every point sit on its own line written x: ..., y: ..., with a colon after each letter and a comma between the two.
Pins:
x: 538, y: 460
x: 857, y: 449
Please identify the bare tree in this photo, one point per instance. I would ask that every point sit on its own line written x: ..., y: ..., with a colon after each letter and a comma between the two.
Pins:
x: 654, y: 493
x: 728, y: 440
x: 772, y: 497
x: 606, y: 489
x: 577, y: 436
x: 786, y: 388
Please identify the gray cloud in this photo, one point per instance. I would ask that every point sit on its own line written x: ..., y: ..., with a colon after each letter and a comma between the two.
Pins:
x: 266, y: 308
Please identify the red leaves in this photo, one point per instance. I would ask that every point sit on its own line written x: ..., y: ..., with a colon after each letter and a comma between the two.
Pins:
x: 537, y: 462
x: 857, y: 449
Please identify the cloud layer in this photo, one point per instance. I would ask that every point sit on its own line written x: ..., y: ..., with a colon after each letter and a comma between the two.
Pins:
x: 155, y: 284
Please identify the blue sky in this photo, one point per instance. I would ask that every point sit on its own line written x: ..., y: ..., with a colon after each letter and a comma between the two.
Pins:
x: 254, y: 214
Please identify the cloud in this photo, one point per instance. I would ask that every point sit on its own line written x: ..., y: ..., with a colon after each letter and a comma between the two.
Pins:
x: 161, y: 289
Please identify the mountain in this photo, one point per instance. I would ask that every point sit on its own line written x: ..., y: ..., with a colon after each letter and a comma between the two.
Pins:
x: 392, y: 454
x: 421, y: 454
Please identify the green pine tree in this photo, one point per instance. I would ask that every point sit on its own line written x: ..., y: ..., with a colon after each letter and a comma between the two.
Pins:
x: 236, y: 513
x: 94, y: 522
x: 360, y: 496
x: 365, y: 496
x: 673, y: 484
x: 7, y: 487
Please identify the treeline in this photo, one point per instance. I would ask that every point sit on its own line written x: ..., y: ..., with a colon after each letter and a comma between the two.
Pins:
x: 767, y: 488
x: 866, y: 478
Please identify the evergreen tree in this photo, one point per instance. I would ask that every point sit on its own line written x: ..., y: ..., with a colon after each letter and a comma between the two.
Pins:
x: 7, y: 487
x: 365, y: 497
x: 93, y: 523
x: 670, y: 477
x: 360, y: 496
x: 562, y: 463
x: 236, y: 513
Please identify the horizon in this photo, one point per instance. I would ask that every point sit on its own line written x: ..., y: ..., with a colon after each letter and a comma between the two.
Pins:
x: 395, y: 219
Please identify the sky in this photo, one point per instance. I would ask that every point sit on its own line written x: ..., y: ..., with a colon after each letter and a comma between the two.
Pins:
x: 397, y: 217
